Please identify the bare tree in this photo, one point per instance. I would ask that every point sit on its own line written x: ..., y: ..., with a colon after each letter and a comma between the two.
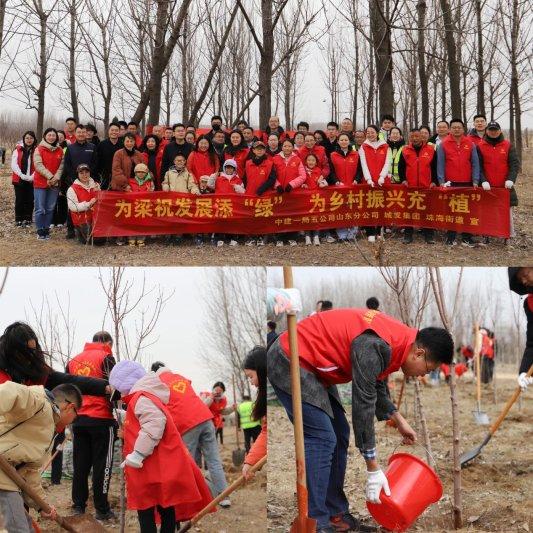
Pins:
x: 453, y: 65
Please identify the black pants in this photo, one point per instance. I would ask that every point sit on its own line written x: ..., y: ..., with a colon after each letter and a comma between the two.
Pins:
x: 93, y: 448
x: 250, y: 435
x: 23, y: 201
x: 57, y: 463
x: 147, y: 520
x: 220, y: 433
x: 427, y: 232
x: 487, y: 369
x: 61, y: 210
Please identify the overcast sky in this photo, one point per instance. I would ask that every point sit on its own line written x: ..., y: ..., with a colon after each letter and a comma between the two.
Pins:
x: 179, y: 329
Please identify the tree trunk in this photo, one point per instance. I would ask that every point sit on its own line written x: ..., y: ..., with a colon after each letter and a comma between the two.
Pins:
x: 457, y: 494
x: 265, y: 66
x: 72, y: 62
x: 443, y: 86
x: 515, y: 81
x: 453, y: 67
x: 421, y: 47
x: 480, y: 65
x: 41, y: 90
x: 370, y: 100
x: 356, y: 81
x: 287, y: 95
x: 185, y: 106
x: 2, y: 19
x: 381, y: 39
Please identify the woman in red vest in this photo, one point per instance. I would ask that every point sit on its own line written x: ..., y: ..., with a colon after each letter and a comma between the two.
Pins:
x: 311, y: 147
x: 238, y: 150
x: 81, y: 197
x: 161, y: 475
x: 375, y: 156
x: 217, y: 402
x: 361, y: 346
x: 203, y: 162
x: 314, y: 181
x: 153, y: 157
x: 22, y: 179
x: 48, y: 162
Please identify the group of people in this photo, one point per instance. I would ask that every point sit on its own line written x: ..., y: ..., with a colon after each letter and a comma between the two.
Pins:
x: 56, y: 179
x: 160, y: 419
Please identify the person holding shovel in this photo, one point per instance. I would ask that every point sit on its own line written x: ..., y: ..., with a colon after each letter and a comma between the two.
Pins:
x: 29, y: 418
x: 363, y: 346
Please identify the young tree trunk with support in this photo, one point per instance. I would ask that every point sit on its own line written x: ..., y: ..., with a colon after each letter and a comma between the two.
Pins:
x: 480, y: 64
x: 454, y: 72
x: 421, y: 48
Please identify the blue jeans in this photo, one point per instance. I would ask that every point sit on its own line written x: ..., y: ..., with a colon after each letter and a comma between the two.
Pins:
x: 326, y: 443
x: 203, y: 437
x: 45, y: 203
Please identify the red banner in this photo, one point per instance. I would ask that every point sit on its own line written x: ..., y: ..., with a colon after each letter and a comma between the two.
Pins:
x: 471, y: 210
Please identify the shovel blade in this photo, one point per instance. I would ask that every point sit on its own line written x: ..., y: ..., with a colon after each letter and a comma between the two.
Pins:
x: 481, y: 418
x: 303, y: 524
x: 238, y: 456
x: 469, y: 456
x: 83, y: 523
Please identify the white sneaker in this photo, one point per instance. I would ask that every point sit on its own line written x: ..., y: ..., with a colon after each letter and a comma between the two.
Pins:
x: 249, y: 242
x: 330, y: 239
x: 220, y: 243
x: 226, y: 503
x: 260, y: 242
x: 372, y: 238
x: 293, y: 243
x: 233, y: 242
x: 316, y: 240
x: 279, y: 243
x: 307, y: 240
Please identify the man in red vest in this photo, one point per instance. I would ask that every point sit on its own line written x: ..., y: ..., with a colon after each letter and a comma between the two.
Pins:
x: 94, y: 429
x: 458, y: 166
x: 193, y: 419
x: 417, y: 167
x: 477, y: 133
x: 499, y: 164
x: 361, y: 346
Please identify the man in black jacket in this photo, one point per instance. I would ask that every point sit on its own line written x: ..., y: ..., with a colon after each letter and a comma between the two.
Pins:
x: 105, y: 152
x: 78, y: 152
x: 175, y: 147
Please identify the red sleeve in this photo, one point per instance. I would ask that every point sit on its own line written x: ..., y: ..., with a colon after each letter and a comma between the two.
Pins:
x: 259, y: 447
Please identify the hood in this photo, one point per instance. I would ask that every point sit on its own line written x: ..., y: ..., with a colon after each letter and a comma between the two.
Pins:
x: 91, y: 185
x: 490, y: 140
x: 152, y: 384
x: 375, y: 144
x: 48, y: 146
x: 227, y: 176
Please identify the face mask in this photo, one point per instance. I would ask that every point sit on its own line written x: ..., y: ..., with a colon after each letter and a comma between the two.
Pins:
x: 216, y: 127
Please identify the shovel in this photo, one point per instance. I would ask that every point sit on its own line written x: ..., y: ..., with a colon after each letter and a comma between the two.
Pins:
x: 480, y: 416
x: 76, y: 524
x: 472, y: 454
x: 237, y: 456
x: 302, y: 523
x: 210, y: 506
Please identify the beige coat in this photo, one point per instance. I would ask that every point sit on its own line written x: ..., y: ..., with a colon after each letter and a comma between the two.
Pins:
x: 27, y: 427
x: 180, y: 181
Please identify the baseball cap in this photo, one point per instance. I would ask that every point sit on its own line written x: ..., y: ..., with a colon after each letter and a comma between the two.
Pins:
x: 493, y: 126
x: 258, y: 143
x: 141, y: 167
x: 83, y: 166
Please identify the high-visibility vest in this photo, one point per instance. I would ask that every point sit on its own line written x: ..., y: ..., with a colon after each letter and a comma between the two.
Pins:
x: 245, y: 415
x: 396, y: 153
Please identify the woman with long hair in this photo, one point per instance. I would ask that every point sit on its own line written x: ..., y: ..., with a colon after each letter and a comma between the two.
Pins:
x: 22, y: 178
x: 22, y: 360
x: 238, y: 150
x: 256, y: 370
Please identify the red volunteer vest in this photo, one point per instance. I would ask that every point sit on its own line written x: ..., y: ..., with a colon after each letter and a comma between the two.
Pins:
x: 225, y: 185
x: 216, y: 408
x: 51, y: 161
x: 475, y: 138
x: 168, y: 477
x: 287, y: 169
x: 89, y: 364
x: 375, y: 159
x: 312, y: 178
x: 418, y: 166
x: 495, y: 161
x: 186, y: 408
x: 318, y: 151
x: 145, y: 187
x: 158, y: 162
x: 240, y: 158
x: 199, y: 164
x: 487, y: 347
x: 325, y: 339
x: 15, y: 178
x: 83, y: 195
x: 345, y: 167
x: 458, y: 166
x: 256, y: 175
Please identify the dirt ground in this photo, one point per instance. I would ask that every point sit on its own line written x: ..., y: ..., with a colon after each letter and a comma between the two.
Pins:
x: 19, y: 247
x: 497, y: 487
x: 247, y: 512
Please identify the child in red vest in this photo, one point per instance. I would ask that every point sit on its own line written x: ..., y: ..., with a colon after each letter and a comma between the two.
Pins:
x: 81, y: 197
x: 314, y: 181
x: 161, y: 476
x: 142, y: 181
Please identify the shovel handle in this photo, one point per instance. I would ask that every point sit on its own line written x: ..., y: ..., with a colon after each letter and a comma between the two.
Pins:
x: 45, y: 467
x: 224, y: 494
x: 27, y: 489
x: 508, y: 405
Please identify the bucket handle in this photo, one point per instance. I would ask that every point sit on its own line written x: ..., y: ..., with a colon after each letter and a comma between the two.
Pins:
x: 434, y: 466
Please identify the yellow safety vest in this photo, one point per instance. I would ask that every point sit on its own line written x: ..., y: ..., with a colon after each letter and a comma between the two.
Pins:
x: 395, y: 177
x: 245, y: 415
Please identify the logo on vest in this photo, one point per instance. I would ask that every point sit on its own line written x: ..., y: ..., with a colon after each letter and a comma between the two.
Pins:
x: 369, y: 315
x: 179, y: 386
x: 84, y: 369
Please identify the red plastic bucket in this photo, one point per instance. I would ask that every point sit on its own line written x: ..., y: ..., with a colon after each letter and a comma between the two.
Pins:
x: 413, y: 485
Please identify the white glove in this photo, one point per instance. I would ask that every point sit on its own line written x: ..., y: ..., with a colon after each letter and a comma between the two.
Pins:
x: 447, y: 184
x: 375, y: 482
x: 509, y: 184
x: 283, y: 301
x: 239, y: 189
x: 133, y: 459
x: 381, y: 181
x: 524, y: 381
x: 486, y: 186
x: 370, y: 182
